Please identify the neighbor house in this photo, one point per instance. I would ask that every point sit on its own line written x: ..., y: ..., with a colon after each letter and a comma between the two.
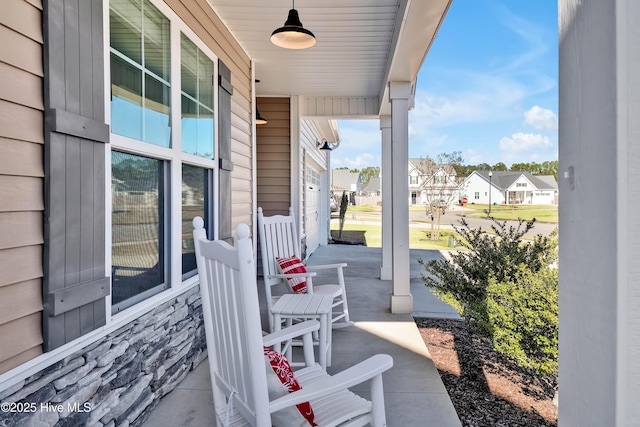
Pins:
x: 506, y: 187
x: 431, y: 183
x: 343, y: 180
x: 372, y: 188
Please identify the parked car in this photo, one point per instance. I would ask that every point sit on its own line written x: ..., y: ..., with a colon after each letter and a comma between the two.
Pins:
x: 334, y: 205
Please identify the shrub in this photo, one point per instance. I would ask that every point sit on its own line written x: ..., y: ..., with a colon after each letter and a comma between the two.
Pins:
x: 501, y: 276
x: 523, y: 315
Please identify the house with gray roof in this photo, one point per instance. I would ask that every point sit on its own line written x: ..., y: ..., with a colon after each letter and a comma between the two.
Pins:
x: 345, y: 180
x: 507, y: 187
x: 372, y: 188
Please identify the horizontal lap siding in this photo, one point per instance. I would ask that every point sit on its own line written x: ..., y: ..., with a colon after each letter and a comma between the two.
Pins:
x: 241, y: 155
x: 274, y: 156
x: 20, y: 229
x: 21, y: 182
x: 199, y: 16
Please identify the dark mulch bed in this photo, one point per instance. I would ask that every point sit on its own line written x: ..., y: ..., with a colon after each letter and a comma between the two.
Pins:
x: 349, y: 237
x: 486, y: 389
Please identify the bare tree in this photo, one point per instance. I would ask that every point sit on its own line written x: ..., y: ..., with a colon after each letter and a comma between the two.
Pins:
x: 440, y: 186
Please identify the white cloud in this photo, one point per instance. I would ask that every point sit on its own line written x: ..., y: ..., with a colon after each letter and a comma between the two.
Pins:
x: 541, y: 119
x: 524, y: 142
x: 537, y: 38
x: 360, y: 144
x: 472, y: 157
x: 487, y: 99
x: 357, y: 162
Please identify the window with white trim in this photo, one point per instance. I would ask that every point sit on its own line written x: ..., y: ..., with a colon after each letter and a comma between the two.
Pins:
x: 163, y: 98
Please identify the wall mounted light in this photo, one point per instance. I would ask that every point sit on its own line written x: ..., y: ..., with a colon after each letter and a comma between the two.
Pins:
x: 326, y: 145
x: 293, y: 35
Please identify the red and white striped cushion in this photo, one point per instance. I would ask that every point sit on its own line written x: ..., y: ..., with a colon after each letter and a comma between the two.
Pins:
x: 293, y: 265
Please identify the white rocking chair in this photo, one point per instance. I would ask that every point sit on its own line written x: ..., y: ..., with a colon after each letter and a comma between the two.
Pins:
x: 235, y: 347
x: 279, y: 239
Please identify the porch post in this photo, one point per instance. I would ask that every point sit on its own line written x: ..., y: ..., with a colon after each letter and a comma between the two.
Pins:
x: 386, y: 176
x: 599, y: 280
x: 401, y: 300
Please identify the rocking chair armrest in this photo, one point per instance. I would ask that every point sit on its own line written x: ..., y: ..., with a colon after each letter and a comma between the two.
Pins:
x: 357, y: 374
x: 290, y: 332
x: 325, y: 266
x: 291, y: 275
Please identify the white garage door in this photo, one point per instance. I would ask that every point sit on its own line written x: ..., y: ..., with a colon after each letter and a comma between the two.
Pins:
x: 312, y: 208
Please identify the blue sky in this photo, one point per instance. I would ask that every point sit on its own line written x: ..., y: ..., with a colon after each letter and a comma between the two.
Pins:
x: 488, y: 88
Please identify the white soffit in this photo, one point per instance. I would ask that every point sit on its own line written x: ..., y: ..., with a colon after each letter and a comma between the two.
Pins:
x: 361, y: 44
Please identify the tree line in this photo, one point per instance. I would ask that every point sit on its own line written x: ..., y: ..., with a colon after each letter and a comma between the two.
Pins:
x: 544, y: 168
x: 462, y: 170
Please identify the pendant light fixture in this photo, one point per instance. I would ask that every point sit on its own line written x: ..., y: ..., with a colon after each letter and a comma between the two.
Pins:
x: 293, y: 35
x: 259, y: 119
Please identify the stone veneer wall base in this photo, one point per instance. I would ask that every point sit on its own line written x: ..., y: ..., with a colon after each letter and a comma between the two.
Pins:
x: 117, y: 380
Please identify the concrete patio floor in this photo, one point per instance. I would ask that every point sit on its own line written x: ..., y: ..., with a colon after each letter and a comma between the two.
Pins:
x: 414, y: 393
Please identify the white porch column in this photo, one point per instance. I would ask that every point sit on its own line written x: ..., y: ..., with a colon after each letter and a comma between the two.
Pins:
x: 385, y: 128
x: 401, y: 299
x: 599, y: 154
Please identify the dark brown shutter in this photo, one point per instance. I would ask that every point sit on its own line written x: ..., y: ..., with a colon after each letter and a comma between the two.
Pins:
x: 75, y: 281
x: 224, y: 151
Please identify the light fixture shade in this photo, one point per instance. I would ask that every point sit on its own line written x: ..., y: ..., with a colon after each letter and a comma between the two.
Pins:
x: 323, y: 144
x: 293, y: 35
x: 326, y: 146
x: 259, y: 119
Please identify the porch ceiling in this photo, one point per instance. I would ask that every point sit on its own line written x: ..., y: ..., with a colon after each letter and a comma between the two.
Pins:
x: 361, y: 44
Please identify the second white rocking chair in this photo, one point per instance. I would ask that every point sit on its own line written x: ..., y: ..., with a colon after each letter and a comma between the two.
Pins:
x: 279, y: 239
x: 239, y: 377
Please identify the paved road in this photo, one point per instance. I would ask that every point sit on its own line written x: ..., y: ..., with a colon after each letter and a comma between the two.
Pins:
x: 451, y: 217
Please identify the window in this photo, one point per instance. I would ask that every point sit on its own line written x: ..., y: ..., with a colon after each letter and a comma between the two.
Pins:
x: 197, y: 100
x: 476, y: 195
x: 313, y: 176
x: 521, y: 184
x: 195, y: 202
x: 140, y: 72
x: 138, y: 230
x: 413, y: 180
x: 162, y: 148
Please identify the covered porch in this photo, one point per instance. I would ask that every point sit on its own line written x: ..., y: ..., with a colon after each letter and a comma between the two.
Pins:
x: 414, y: 393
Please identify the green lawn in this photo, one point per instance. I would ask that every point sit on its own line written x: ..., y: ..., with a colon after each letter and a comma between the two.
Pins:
x: 542, y: 213
x: 369, y: 208
x: 418, y: 237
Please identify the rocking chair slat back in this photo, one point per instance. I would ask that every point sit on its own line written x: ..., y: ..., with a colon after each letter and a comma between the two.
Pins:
x: 232, y: 325
x: 280, y: 240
